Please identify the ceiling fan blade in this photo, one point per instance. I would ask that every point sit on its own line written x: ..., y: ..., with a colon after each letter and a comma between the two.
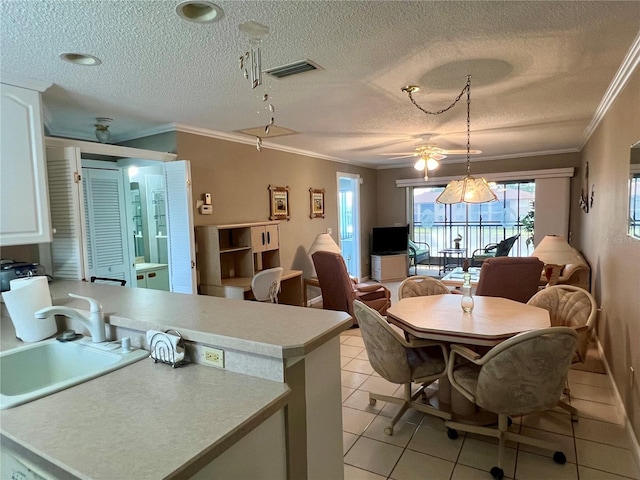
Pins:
x: 461, y: 152
x: 403, y: 156
x: 408, y: 154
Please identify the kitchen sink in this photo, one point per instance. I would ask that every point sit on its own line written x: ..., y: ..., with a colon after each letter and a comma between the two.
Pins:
x: 36, y: 370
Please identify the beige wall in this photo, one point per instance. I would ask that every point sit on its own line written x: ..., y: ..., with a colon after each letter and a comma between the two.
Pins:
x: 238, y: 176
x: 613, y: 255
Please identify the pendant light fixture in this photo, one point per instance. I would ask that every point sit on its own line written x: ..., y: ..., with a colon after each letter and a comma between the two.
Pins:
x: 469, y: 189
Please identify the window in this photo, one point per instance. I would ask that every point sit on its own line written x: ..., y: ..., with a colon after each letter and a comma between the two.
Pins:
x: 478, y: 224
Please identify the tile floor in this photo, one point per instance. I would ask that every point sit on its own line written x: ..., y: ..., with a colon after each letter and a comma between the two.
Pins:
x: 597, y: 447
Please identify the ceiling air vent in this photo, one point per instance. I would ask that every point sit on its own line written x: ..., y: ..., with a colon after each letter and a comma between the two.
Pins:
x: 292, y: 69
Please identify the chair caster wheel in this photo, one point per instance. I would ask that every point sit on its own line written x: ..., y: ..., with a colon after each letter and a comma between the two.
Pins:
x: 388, y: 431
x: 509, y: 421
x: 452, y: 433
x: 372, y: 401
x: 559, y: 457
x: 497, y: 473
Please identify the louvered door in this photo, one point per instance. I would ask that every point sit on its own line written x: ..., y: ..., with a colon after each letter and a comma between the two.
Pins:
x: 106, y: 231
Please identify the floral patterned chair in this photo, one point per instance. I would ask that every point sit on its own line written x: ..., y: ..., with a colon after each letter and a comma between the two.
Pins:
x: 522, y: 375
x: 400, y: 361
x: 420, y: 285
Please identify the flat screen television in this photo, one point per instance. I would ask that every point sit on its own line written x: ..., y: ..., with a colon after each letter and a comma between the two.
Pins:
x: 389, y: 240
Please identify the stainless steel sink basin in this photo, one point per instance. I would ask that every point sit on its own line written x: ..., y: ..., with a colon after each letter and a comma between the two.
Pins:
x: 36, y: 370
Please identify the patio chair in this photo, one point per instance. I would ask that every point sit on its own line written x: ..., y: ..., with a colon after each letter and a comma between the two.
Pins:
x: 419, y: 254
x: 491, y: 250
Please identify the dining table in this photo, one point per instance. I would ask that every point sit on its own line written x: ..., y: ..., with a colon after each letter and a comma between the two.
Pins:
x: 441, y: 318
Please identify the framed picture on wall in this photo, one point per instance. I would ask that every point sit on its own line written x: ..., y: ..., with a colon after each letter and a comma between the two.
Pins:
x: 279, y: 206
x: 316, y: 203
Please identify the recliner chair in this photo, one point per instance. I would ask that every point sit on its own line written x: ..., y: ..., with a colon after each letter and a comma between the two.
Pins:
x: 493, y: 250
x: 339, y: 291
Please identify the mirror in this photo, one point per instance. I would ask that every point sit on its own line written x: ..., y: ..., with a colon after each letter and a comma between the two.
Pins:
x: 634, y: 191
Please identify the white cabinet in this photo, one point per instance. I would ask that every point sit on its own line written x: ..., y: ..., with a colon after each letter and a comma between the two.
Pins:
x: 24, y: 210
x: 153, y: 276
x: 265, y: 238
x: 389, y: 268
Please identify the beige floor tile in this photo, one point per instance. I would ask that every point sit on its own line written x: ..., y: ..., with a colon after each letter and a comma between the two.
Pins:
x: 418, y: 466
x: 565, y: 443
x: 348, y: 439
x: 344, y: 361
x: 429, y: 421
x: 360, y: 366
x: 353, y: 473
x: 363, y: 355
x: 373, y: 456
x: 354, y: 340
x: 352, y: 379
x: 593, y: 394
x: 462, y: 472
x: 380, y: 385
x: 355, y: 421
x: 360, y: 401
x: 402, y: 431
x: 598, y: 411
x: 602, y: 432
x: 411, y: 415
x: 588, y: 378
x: 484, y: 456
x: 608, y: 458
x: 350, y: 351
x: 435, y: 443
x: 346, y: 393
x: 587, y: 473
x: 536, y: 467
x: 549, y: 421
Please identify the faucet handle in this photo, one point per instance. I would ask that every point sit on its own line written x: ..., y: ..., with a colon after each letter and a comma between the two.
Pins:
x: 95, y: 306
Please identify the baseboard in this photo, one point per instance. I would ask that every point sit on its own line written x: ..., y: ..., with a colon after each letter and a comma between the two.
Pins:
x: 314, y: 301
x: 635, y: 450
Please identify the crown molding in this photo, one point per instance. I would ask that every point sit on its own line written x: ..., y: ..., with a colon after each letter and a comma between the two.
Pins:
x: 110, y: 150
x: 628, y: 66
x: 24, y: 82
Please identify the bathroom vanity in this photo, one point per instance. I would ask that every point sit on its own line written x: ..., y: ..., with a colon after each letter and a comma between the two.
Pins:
x: 279, y: 390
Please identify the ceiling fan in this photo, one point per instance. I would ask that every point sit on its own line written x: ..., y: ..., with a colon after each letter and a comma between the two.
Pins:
x: 429, y: 156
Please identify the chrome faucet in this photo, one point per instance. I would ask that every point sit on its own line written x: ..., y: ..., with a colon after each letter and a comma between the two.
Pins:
x: 95, y: 322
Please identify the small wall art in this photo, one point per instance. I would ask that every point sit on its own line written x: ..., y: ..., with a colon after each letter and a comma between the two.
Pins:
x: 586, y: 195
x: 279, y: 205
x: 316, y: 203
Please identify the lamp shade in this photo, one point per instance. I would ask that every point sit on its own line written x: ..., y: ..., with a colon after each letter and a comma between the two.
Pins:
x: 467, y: 190
x: 323, y: 243
x: 555, y: 249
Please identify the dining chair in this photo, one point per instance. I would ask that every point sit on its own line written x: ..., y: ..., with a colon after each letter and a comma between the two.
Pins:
x: 265, y: 284
x: 574, y: 307
x: 421, y: 285
x: 515, y: 278
x: 339, y: 291
x: 401, y: 361
x: 522, y: 375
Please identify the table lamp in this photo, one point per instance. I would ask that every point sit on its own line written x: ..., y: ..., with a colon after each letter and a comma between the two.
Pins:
x: 555, y: 249
x: 323, y: 243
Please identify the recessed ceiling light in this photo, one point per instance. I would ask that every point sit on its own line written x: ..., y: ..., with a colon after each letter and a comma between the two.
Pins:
x: 199, y: 11
x: 81, y: 59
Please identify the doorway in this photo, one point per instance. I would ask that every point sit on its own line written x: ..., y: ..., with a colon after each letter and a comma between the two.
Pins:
x: 349, y: 220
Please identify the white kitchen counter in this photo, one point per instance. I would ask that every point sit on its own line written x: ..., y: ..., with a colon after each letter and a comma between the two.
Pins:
x: 144, y: 421
x: 183, y: 418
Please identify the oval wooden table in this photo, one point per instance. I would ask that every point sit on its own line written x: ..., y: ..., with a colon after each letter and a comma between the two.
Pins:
x: 440, y: 317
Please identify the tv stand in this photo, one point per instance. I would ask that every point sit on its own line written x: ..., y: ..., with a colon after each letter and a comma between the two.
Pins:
x: 389, y: 268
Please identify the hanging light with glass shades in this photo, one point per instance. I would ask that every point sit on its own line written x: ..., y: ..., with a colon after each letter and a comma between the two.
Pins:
x: 469, y: 189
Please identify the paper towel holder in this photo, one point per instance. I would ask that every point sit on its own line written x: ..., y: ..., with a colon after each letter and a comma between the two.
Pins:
x: 163, y: 350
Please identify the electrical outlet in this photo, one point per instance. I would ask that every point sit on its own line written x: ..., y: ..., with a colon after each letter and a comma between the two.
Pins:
x: 213, y: 357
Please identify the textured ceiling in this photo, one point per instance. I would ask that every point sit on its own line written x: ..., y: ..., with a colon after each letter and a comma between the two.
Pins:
x: 539, y: 70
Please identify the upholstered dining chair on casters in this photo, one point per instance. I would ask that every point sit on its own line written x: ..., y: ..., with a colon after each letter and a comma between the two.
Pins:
x: 522, y: 375
x: 265, y: 284
x: 419, y: 285
x: 400, y: 361
x: 574, y: 307
x: 339, y: 290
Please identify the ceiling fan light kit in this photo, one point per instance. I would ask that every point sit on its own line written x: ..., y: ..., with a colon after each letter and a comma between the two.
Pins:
x: 102, y: 129
x: 469, y: 189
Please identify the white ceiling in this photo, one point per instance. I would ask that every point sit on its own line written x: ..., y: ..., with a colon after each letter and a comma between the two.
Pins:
x: 539, y: 70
